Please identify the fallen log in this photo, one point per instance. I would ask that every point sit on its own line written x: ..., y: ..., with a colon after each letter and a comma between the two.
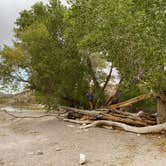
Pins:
x: 83, y: 112
x: 140, y: 130
x: 104, y: 115
x: 149, y: 119
x: 128, y: 120
x: 130, y: 101
x: 140, y: 114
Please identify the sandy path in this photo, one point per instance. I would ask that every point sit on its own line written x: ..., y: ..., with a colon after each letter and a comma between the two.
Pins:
x: 61, y: 144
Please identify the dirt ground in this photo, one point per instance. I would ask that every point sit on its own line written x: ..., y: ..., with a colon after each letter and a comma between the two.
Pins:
x: 51, y: 142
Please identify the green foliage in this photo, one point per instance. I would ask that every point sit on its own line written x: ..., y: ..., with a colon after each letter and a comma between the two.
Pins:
x: 12, y: 61
x: 53, y: 43
x: 135, y: 91
x: 56, y: 69
x: 130, y: 33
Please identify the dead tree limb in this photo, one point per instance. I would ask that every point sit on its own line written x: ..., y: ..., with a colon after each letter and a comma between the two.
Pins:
x: 140, y: 114
x: 83, y: 112
x: 24, y: 117
x: 130, y: 101
x: 140, y: 130
x: 108, y: 78
x: 104, y: 115
x: 127, y: 120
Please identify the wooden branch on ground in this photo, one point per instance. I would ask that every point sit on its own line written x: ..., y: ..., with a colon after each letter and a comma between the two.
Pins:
x: 140, y: 130
x: 24, y: 117
x: 138, y: 115
x: 105, y: 115
x: 128, y: 120
x: 83, y: 112
x: 130, y: 101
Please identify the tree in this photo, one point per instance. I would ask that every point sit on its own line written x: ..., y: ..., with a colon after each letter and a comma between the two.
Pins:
x: 14, y: 66
x: 56, y: 70
x: 61, y: 44
x: 131, y: 34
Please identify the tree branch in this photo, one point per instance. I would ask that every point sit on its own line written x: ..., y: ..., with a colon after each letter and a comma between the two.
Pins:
x: 108, y: 78
x: 92, y: 73
x: 19, y: 78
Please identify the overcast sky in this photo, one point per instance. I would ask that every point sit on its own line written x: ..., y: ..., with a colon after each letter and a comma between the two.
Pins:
x: 9, y: 10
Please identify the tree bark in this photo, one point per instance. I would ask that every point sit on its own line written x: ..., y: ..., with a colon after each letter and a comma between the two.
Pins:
x: 140, y: 130
x: 161, y: 108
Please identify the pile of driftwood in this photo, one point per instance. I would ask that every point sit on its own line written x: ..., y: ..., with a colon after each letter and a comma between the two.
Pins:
x: 140, y: 122
x: 139, y: 119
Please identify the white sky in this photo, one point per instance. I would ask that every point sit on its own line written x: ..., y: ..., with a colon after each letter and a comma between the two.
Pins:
x: 9, y: 10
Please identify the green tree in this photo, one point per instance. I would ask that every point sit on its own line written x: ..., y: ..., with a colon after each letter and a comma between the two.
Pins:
x: 131, y: 34
x: 60, y: 44
x: 56, y: 70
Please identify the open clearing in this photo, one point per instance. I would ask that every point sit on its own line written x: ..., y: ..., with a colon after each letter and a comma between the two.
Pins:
x: 51, y: 142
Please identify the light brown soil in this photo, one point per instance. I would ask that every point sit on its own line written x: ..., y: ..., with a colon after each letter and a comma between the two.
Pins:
x: 62, y: 143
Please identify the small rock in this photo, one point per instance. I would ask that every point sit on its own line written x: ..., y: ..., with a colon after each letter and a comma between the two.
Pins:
x: 58, y: 149
x: 39, y: 152
x: 82, y: 159
x: 138, y: 135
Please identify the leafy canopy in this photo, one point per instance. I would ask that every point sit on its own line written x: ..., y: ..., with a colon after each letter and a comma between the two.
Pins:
x: 56, y: 45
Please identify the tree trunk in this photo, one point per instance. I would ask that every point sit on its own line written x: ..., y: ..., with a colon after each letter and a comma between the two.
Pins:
x: 161, y: 108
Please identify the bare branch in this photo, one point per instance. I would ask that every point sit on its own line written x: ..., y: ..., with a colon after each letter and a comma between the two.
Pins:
x: 108, y: 78
x: 92, y: 73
